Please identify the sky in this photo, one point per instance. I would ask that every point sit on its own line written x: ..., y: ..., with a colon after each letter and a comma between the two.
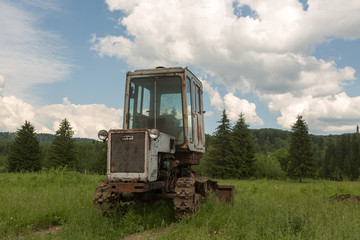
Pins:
x: 270, y: 60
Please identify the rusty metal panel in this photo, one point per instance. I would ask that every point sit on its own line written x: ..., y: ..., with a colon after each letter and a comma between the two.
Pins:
x: 135, y: 186
x: 188, y: 158
x: 128, y: 152
x: 226, y: 193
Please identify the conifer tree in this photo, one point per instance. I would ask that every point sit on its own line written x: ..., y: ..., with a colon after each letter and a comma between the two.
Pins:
x: 25, y: 154
x: 302, y: 162
x: 217, y: 158
x: 355, y: 157
x: 243, y: 151
x: 62, y: 149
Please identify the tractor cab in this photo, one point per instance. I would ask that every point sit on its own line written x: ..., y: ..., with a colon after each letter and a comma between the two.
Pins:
x: 169, y: 100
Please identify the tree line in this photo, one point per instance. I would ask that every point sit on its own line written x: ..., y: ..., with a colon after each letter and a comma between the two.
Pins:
x: 239, y: 152
x: 233, y: 151
x: 27, y: 153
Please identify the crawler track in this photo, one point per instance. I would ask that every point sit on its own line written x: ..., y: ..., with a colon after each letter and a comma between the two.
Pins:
x: 189, y: 192
x: 105, y: 199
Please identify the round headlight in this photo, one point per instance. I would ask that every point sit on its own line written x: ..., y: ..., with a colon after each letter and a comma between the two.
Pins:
x: 154, y: 133
x: 102, y: 135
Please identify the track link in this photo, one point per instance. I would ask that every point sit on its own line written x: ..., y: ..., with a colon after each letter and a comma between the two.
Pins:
x: 189, y: 191
x: 105, y: 199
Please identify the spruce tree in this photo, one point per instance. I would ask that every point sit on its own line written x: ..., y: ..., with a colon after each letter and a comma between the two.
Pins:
x: 62, y: 149
x: 355, y: 157
x: 25, y: 154
x: 243, y: 151
x: 217, y: 157
x: 302, y: 162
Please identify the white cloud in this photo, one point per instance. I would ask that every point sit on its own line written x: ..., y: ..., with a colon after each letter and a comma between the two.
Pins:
x: 215, y: 98
x: 86, y: 120
x: 209, y: 113
x: 235, y: 106
x: 123, y: 5
x: 323, y: 114
x: 269, y: 55
x: 14, y: 112
x: 2, y: 84
x: 29, y: 54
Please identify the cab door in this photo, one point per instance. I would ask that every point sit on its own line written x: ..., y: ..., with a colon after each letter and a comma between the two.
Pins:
x: 198, y: 117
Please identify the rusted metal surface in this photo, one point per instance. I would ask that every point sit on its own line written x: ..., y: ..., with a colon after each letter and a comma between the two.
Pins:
x: 135, y: 187
x: 128, y: 152
x: 226, y: 193
x: 186, y: 200
x: 188, y: 158
x: 189, y: 191
x: 133, y: 155
x: 121, y: 164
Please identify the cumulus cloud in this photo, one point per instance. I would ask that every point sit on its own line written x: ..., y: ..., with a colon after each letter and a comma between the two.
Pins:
x: 215, y: 98
x: 14, y: 112
x: 2, y: 84
x: 328, y: 114
x: 235, y: 106
x: 86, y: 120
x: 123, y: 5
x: 267, y: 53
x: 29, y: 54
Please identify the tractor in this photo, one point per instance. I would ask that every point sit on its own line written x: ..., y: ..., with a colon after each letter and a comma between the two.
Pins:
x: 163, y: 135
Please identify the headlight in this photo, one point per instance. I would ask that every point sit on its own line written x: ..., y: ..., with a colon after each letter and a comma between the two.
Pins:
x: 102, y: 135
x: 154, y: 133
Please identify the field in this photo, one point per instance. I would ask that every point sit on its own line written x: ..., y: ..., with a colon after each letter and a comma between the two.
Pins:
x: 58, y: 205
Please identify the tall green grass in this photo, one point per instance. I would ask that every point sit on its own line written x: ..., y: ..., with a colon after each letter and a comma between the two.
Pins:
x: 266, y: 209
x: 31, y: 203
x: 263, y: 209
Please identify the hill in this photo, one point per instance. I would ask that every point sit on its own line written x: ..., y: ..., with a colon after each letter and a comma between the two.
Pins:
x: 43, y: 137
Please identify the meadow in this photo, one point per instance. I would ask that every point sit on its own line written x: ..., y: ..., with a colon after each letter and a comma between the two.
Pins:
x: 58, y: 205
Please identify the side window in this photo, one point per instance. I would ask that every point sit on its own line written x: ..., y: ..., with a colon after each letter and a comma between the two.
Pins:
x: 189, y: 115
x: 139, y: 102
x: 197, y: 100
x: 131, y: 106
x: 194, y: 96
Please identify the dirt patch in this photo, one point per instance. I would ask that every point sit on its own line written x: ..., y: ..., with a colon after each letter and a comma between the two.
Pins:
x: 149, y: 235
x: 46, y: 230
x: 345, y: 198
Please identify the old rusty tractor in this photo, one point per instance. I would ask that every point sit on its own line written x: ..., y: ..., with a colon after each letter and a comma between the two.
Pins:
x: 162, y: 137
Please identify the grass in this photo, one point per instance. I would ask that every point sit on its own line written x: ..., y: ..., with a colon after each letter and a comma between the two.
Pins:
x: 265, y: 209
x: 33, y: 204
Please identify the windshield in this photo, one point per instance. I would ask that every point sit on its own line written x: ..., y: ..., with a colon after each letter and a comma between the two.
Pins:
x: 156, y: 103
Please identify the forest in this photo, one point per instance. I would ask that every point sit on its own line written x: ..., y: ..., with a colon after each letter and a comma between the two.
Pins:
x: 89, y: 156
x: 337, y: 157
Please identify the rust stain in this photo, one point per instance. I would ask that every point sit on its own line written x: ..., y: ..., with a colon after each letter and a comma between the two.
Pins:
x: 226, y: 192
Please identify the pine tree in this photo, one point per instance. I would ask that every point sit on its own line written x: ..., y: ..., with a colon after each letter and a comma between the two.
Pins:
x: 62, y: 149
x: 25, y: 154
x: 243, y: 151
x: 217, y: 158
x: 302, y: 163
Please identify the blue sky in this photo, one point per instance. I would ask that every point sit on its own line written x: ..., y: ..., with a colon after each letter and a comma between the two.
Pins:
x: 270, y: 60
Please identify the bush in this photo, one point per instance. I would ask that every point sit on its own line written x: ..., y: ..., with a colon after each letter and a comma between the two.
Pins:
x: 267, y: 166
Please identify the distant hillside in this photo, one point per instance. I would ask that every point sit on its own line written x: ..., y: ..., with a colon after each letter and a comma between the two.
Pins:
x: 43, y: 137
x: 269, y: 139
